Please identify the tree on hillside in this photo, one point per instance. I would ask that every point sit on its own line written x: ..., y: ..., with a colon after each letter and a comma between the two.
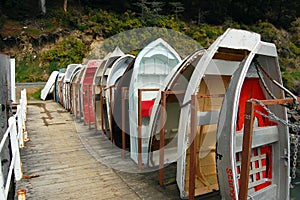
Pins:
x: 43, y: 6
x: 177, y: 8
x: 65, y: 5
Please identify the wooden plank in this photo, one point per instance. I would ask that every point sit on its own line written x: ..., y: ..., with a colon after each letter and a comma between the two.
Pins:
x: 140, y: 128
x: 94, y: 108
x: 277, y: 101
x: 89, y: 104
x: 110, y: 112
x: 246, y: 152
x: 140, y: 91
x: 124, y: 89
x: 230, y: 54
x: 149, y: 89
x: 162, y: 138
x: 193, y: 147
x: 101, y: 109
x: 174, y: 92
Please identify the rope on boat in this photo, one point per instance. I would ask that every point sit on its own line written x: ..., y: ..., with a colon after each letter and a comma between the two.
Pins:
x: 257, y: 64
x: 263, y: 81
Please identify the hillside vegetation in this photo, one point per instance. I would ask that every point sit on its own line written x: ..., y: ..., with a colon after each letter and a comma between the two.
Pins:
x: 45, y: 42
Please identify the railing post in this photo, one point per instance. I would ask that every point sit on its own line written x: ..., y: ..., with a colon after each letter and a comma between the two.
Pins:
x: 88, y: 102
x: 20, y: 121
x: 2, y: 191
x: 110, y: 104
x: 101, y: 109
x: 162, y: 137
x: 246, y: 151
x: 124, y: 89
x: 140, y: 129
x: 15, y: 149
x: 193, y: 147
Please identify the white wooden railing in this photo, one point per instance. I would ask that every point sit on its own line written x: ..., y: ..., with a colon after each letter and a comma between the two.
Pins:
x: 16, y: 133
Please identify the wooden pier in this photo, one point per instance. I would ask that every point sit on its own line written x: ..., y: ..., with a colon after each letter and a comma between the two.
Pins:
x: 64, y: 159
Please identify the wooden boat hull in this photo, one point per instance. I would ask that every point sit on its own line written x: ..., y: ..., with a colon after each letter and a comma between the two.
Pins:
x: 71, y: 69
x: 77, y: 97
x: 120, y: 108
x: 174, y: 88
x: 113, y: 78
x: 152, y: 65
x: 210, y: 81
x: 269, y: 174
x: 50, y: 82
x: 87, y: 91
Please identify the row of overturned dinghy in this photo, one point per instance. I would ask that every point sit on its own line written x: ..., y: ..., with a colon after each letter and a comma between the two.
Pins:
x: 163, y: 110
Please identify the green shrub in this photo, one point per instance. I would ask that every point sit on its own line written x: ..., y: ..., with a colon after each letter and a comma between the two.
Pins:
x: 67, y: 51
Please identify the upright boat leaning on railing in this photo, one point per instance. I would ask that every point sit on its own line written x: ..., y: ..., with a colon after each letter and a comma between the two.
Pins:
x: 71, y: 69
x: 209, y: 83
x: 97, y: 92
x: 113, y: 79
x: 101, y: 119
x: 153, y: 63
x: 86, y: 91
x: 59, y: 77
x: 269, y: 160
x: 117, y: 53
x: 166, y: 111
x: 73, y: 88
x: 49, y: 87
x: 121, y: 121
x: 76, y: 95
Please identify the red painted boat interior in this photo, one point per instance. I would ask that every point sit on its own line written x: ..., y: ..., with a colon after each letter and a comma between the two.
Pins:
x: 252, y: 89
x: 87, y: 93
x: 147, y: 106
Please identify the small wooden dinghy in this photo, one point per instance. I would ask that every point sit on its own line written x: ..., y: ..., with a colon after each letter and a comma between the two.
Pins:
x: 50, y: 84
x: 60, y: 86
x: 209, y: 82
x: 269, y: 160
x: 59, y: 77
x: 77, y: 99
x: 117, y: 53
x: 71, y: 69
x: 121, y: 121
x: 98, y: 91
x: 97, y: 88
x: 166, y: 111
x: 73, y: 89
x: 87, y: 89
x: 113, y: 78
x: 153, y: 63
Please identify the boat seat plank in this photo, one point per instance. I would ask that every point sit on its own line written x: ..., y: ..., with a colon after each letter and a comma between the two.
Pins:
x: 261, y: 136
x: 269, y: 192
x: 208, y: 117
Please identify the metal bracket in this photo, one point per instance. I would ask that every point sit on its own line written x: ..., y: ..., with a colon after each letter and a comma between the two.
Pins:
x: 247, y: 116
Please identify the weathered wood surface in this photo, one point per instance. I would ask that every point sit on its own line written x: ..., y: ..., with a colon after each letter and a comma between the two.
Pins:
x: 74, y: 162
x: 66, y: 169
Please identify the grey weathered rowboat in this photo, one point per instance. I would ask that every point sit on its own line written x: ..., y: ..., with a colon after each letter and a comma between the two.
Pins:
x: 49, y: 85
x: 153, y: 63
x: 168, y: 103
x: 71, y: 69
x: 269, y: 173
x: 225, y: 65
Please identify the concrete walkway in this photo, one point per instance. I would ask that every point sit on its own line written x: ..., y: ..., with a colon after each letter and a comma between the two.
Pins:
x: 66, y: 169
